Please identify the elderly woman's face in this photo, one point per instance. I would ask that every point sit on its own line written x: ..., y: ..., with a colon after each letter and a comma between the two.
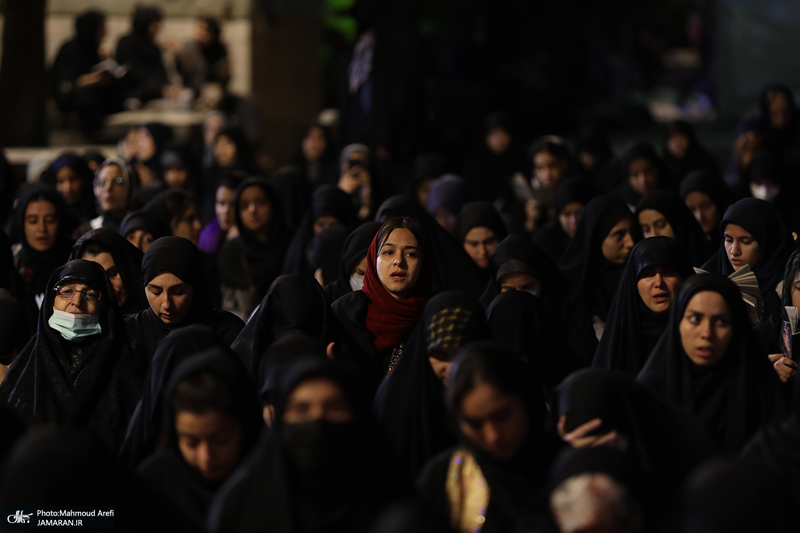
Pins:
x: 77, y: 298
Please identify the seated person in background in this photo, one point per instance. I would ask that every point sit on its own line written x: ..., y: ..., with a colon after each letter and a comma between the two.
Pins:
x: 146, y: 76
x: 204, y: 59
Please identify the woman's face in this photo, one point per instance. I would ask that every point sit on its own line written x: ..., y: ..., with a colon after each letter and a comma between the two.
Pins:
x: 479, y: 243
x: 188, y: 225
x: 314, y: 144
x: 145, y: 145
x: 140, y: 238
x: 106, y: 260
x: 83, y: 299
x: 109, y: 188
x: 779, y: 111
x: 618, y: 243
x: 176, y: 177
x: 549, y: 168
x: 223, y: 208
x: 677, y: 144
x: 657, y: 288
x: 741, y: 247
x: 41, y: 225
x: 169, y: 297
x: 69, y: 185
x: 796, y: 290
x: 498, y: 140
x: 642, y: 175
x: 210, y: 442
x: 399, y: 263
x: 705, y: 328
x: 317, y: 399
x: 224, y: 151
x: 493, y: 421
x: 255, y: 209
x: 569, y: 217
x: 704, y: 210
x: 654, y: 224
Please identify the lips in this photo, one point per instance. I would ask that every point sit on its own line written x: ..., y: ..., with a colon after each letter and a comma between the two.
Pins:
x: 737, y: 262
x: 397, y: 276
x: 661, y: 297
x: 704, y: 351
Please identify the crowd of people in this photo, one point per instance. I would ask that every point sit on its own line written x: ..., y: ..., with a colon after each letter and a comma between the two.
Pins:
x: 557, y: 338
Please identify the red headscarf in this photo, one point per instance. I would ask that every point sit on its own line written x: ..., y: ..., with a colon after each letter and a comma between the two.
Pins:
x: 389, y: 319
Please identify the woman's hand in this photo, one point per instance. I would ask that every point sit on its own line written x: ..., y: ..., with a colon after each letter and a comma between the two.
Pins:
x: 579, y: 438
x: 784, y: 367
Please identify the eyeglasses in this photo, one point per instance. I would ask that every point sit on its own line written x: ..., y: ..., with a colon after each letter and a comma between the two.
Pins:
x: 89, y: 295
x: 114, y: 182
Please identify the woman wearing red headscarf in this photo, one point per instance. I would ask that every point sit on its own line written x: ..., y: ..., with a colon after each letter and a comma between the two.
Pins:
x: 377, y: 320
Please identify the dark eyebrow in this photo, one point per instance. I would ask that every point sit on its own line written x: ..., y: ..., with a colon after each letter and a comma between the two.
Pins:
x: 155, y: 286
x: 393, y: 244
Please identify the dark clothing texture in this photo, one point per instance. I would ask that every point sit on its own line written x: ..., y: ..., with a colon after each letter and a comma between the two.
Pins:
x: 688, y: 231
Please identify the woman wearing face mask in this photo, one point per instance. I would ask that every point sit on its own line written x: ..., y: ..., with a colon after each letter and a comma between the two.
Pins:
x: 377, y: 320
x: 122, y: 262
x: 664, y: 213
x: 495, y: 479
x: 640, y: 310
x: 754, y: 235
x: 212, y: 422
x: 519, y: 265
x: 707, y: 197
x: 78, y: 370
x: 710, y: 363
x: 410, y: 401
x: 769, y: 179
x: 322, y: 466
x: 595, y: 258
x: 352, y: 262
x: 42, y: 245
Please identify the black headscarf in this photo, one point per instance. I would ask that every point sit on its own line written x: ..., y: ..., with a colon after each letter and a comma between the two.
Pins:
x: 641, y: 150
x: 480, y: 214
x: 144, y: 429
x: 86, y: 208
x: 354, y: 249
x: 521, y: 324
x: 761, y: 221
x: 141, y: 220
x: 35, y: 267
x: 180, y: 257
x: 162, y: 209
x: 517, y: 486
x: 128, y: 260
x: 734, y: 397
x: 167, y: 471
x: 593, y: 277
x: 569, y: 313
x: 94, y: 382
x: 632, y: 329
x: 318, y: 476
x: 327, y: 200
x: 688, y: 231
x: 324, y: 251
x: 130, y: 180
x: 715, y: 188
x: 244, y: 261
x: 696, y: 157
x: 453, y: 269
x: 295, y: 192
x: 295, y: 303
x: 410, y: 401
x: 553, y: 240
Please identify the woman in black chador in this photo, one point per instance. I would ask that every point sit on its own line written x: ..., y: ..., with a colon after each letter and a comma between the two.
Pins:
x: 323, y: 466
x: 78, y: 370
x: 640, y: 310
x: 174, y: 284
x: 710, y: 363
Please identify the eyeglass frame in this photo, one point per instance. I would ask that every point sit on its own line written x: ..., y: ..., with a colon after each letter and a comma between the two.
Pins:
x: 119, y: 181
x: 81, y: 292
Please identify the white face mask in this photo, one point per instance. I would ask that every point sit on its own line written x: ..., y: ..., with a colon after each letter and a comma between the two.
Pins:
x: 765, y: 192
x: 356, y: 281
x: 72, y: 326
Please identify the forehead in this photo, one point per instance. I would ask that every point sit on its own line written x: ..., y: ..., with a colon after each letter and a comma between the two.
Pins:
x: 75, y: 285
x: 708, y: 303
x: 39, y: 207
x: 252, y: 192
x: 316, y: 389
x: 737, y: 231
x: 104, y: 259
x: 479, y: 233
x: 166, y: 280
x: 650, y: 214
x: 400, y: 237
x: 110, y: 171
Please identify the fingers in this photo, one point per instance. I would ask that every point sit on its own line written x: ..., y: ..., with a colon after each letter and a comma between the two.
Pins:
x: 785, y: 368
x: 774, y: 357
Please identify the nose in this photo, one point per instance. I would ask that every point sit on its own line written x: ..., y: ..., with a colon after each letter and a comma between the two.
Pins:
x: 490, y: 434
x: 658, y: 280
x: 166, y: 303
x: 628, y: 241
x: 735, y: 248
x: 203, y: 455
x: 705, y: 329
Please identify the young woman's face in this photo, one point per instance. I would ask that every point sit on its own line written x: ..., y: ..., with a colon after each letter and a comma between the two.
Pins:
x: 654, y: 224
x: 677, y: 145
x: 106, y: 260
x: 224, y: 151
x: 498, y: 140
x: 109, y: 188
x: 549, y: 168
x: 399, y: 263
x: 569, y: 217
x: 77, y: 303
x: 494, y: 421
x: 69, y: 185
x: 314, y: 144
x: 188, y: 225
x: 41, y: 225
x: 779, y: 111
x: 706, y: 328
x: 145, y: 145
x: 317, y: 399
x: 210, y: 443
x: 479, y: 243
x: 255, y: 209
x: 741, y: 247
x: 642, y: 175
x: 223, y: 208
x: 657, y: 288
x: 704, y: 210
x: 618, y: 244
x: 169, y: 297
x: 140, y: 238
